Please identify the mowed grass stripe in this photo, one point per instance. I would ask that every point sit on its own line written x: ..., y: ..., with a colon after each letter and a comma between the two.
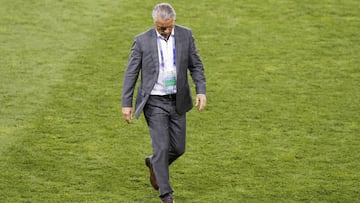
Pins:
x: 48, y: 161
x: 38, y: 38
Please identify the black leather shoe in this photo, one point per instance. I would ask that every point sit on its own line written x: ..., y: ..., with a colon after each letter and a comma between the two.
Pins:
x: 152, y: 174
x: 168, y: 200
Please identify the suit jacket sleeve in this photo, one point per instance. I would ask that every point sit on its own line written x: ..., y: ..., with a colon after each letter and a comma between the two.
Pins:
x: 196, y: 68
x: 131, y: 75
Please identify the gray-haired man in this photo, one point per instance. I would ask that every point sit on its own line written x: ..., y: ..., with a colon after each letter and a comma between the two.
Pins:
x: 163, y: 55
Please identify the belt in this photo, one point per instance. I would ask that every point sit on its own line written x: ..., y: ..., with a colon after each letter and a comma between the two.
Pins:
x: 167, y: 96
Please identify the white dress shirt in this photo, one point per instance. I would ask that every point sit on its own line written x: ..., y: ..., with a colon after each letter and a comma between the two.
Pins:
x: 166, y: 82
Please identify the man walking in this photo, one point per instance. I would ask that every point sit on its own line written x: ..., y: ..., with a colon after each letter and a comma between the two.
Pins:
x: 163, y: 55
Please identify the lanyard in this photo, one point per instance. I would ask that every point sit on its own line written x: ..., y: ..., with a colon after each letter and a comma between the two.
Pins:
x: 162, y: 63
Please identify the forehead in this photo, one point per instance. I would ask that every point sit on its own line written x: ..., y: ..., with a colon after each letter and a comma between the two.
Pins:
x: 162, y: 22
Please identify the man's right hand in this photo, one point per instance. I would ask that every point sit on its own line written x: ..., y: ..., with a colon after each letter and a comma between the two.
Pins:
x: 127, y: 113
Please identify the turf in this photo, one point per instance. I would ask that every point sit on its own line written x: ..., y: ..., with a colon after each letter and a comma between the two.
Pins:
x: 282, y: 122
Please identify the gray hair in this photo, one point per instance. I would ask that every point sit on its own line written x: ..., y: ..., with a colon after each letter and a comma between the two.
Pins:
x: 164, y: 11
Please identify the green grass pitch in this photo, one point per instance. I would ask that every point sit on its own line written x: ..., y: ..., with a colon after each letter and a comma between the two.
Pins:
x: 282, y: 122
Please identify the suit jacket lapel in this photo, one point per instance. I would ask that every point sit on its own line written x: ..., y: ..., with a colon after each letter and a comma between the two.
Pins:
x: 178, y: 48
x: 154, y: 47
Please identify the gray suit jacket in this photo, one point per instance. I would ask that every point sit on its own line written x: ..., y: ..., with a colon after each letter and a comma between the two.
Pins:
x: 144, y: 58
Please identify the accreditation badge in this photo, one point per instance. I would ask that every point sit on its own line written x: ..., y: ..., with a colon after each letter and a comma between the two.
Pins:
x: 170, y: 81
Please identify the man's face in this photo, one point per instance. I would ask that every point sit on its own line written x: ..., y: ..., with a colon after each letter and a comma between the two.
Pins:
x: 164, y: 27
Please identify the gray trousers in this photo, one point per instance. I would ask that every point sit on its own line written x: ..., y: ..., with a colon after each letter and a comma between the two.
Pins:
x: 168, y: 136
